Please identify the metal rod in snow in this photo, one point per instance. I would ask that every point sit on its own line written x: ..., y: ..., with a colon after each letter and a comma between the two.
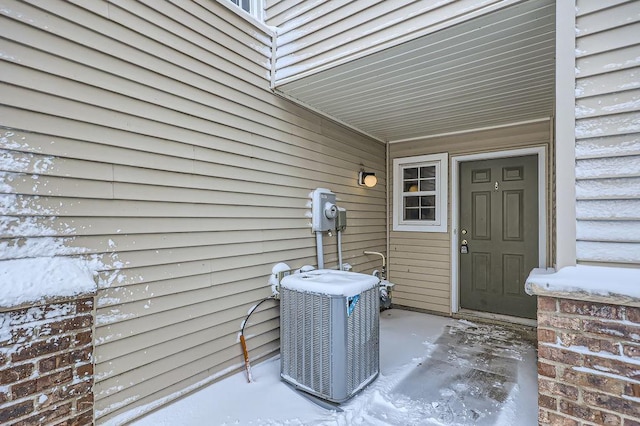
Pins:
x: 320, y: 250
x: 247, y: 365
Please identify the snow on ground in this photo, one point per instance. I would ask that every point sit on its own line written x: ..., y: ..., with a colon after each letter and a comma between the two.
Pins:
x: 406, y: 340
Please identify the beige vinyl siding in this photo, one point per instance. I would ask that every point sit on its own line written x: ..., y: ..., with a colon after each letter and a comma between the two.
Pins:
x: 315, y: 35
x: 608, y: 131
x: 420, y: 262
x: 277, y: 12
x: 169, y: 160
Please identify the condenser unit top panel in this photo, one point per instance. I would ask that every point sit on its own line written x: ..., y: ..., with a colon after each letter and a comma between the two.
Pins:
x: 330, y: 282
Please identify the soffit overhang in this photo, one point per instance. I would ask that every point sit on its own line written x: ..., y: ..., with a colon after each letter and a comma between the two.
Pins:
x: 494, y: 70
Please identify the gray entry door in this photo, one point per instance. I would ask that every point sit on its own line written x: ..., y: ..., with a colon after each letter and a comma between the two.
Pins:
x: 499, y: 221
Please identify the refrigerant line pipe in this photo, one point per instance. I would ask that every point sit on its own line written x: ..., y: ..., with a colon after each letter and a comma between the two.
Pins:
x: 384, y: 263
x: 243, y: 342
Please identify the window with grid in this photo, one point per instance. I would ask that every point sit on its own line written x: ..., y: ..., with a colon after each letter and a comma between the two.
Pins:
x: 253, y: 7
x: 243, y: 4
x: 420, y: 193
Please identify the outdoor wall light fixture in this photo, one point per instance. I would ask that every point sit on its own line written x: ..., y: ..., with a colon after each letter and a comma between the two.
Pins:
x: 367, y: 179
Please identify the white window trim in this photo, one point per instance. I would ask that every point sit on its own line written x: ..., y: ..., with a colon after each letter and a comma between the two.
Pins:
x: 255, y: 8
x: 442, y: 178
x: 256, y: 19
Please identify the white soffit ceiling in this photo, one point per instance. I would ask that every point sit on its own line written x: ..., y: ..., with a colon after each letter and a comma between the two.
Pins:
x: 490, y: 71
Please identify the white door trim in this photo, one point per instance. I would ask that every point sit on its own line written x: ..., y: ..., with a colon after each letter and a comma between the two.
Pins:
x: 455, y: 202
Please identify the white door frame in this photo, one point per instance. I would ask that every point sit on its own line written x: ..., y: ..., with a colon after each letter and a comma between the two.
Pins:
x: 455, y: 214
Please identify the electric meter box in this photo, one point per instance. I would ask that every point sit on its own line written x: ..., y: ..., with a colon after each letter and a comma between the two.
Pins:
x: 329, y: 332
x: 323, y: 211
x: 341, y: 219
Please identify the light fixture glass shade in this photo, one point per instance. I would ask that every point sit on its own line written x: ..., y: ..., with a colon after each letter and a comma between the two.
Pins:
x: 370, y: 181
x: 367, y: 179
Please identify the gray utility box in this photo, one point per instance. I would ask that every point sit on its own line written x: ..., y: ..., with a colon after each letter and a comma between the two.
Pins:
x: 329, y: 332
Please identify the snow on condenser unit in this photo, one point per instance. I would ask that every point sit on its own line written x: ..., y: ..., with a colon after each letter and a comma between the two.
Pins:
x: 329, y: 332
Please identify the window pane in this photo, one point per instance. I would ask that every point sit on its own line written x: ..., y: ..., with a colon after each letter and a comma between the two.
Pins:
x: 411, y: 214
x: 428, y: 214
x: 246, y: 5
x: 411, y: 186
x: 428, y: 201
x: 428, y: 172
x: 412, y: 201
x: 410, y: 173
x: 428, y: 185
x: 420, y: 193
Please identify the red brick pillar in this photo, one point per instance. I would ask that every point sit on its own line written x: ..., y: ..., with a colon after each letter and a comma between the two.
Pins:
x: 589, y: 362
x: 46, y: 368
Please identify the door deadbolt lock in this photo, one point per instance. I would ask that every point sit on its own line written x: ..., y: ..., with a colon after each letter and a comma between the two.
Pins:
x: 464, y: 247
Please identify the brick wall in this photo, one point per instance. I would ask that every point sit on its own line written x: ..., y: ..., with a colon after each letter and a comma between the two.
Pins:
x: 589, y: 363
x: 46, y: 369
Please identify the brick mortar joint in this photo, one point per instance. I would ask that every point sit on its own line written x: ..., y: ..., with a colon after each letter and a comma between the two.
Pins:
x: 586, y: 297
x: 32, y: 332
x: 27, y: 345
x: 581, y: 390
x: 72, y: 413
x: 602, y: 355
x: 621, y: 416
x: 48, y: 391
x: 55, y: 300
x: 51, y: 320
x: 38, y: 328
x: 586, y: 316
x: 590, y: 407
x: 35, y: 361
x: 581, y: 330
x: 559, y: 332
x: 45, y: 337
x: 563, y: 367
x: 624, y: 309
x: 17, y: 322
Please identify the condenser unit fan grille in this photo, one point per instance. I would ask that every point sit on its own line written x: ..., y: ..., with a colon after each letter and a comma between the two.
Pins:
x: 329, y: 345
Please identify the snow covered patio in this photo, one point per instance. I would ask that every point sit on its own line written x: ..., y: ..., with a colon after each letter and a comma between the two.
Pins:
x: 433, y: 370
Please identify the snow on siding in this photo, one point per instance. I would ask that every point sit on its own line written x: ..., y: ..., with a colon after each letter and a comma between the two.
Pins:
x: 160, y: 141
x: 38, y: 258
x: 608, y: 132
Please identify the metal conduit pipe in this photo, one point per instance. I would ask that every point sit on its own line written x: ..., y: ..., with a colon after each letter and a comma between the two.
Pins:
x: 320, y: 250
x: 340, y: 250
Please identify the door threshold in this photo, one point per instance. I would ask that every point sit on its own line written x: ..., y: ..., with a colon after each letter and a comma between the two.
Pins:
x: 468, y: 314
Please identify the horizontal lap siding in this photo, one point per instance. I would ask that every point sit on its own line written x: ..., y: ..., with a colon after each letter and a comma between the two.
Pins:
x: 608, y: 131
x: 420, y: 262
x: 318, y: 33
x: 144, y: 135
